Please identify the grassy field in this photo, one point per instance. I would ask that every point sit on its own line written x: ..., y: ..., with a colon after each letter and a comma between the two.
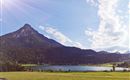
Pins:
x: 65, y: 76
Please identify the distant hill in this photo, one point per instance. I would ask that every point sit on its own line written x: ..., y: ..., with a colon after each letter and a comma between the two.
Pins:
x: 26, y: 45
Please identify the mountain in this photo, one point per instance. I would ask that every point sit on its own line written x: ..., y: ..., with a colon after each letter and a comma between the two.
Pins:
x: 26, y: 45
x: 27, y: 37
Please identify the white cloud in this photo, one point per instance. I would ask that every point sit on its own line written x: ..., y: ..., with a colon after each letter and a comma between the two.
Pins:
x: 60, y: 37
x: 112, y: 34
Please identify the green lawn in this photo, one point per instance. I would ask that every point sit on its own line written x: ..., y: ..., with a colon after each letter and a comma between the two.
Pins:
x: 65, y: 76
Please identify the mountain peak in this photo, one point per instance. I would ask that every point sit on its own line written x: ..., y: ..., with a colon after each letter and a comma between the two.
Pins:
x: 26, y: 30
x: 27, y: 27
x: 26, y: 36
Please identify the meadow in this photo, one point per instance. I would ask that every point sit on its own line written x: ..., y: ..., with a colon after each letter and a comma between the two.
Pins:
x: 65, y: 75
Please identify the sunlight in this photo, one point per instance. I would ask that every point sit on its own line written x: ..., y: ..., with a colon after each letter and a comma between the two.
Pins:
x: 8, y: 3
x: 1, y: 3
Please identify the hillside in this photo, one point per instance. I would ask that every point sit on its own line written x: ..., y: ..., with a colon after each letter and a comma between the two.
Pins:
x: 26, y: 45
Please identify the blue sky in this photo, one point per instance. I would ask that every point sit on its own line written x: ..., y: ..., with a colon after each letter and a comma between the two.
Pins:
x: 80, y: 23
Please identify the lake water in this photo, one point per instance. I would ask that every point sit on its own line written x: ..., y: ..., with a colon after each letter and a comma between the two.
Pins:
x: 77, y: 68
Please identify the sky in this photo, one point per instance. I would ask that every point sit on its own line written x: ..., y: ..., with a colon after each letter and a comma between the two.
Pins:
x: 101, y: 25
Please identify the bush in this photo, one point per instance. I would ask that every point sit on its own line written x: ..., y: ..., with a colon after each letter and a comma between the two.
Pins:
x: 11, y: 67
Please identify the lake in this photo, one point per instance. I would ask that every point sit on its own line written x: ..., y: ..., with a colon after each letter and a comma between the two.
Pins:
x: 76, y: 68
